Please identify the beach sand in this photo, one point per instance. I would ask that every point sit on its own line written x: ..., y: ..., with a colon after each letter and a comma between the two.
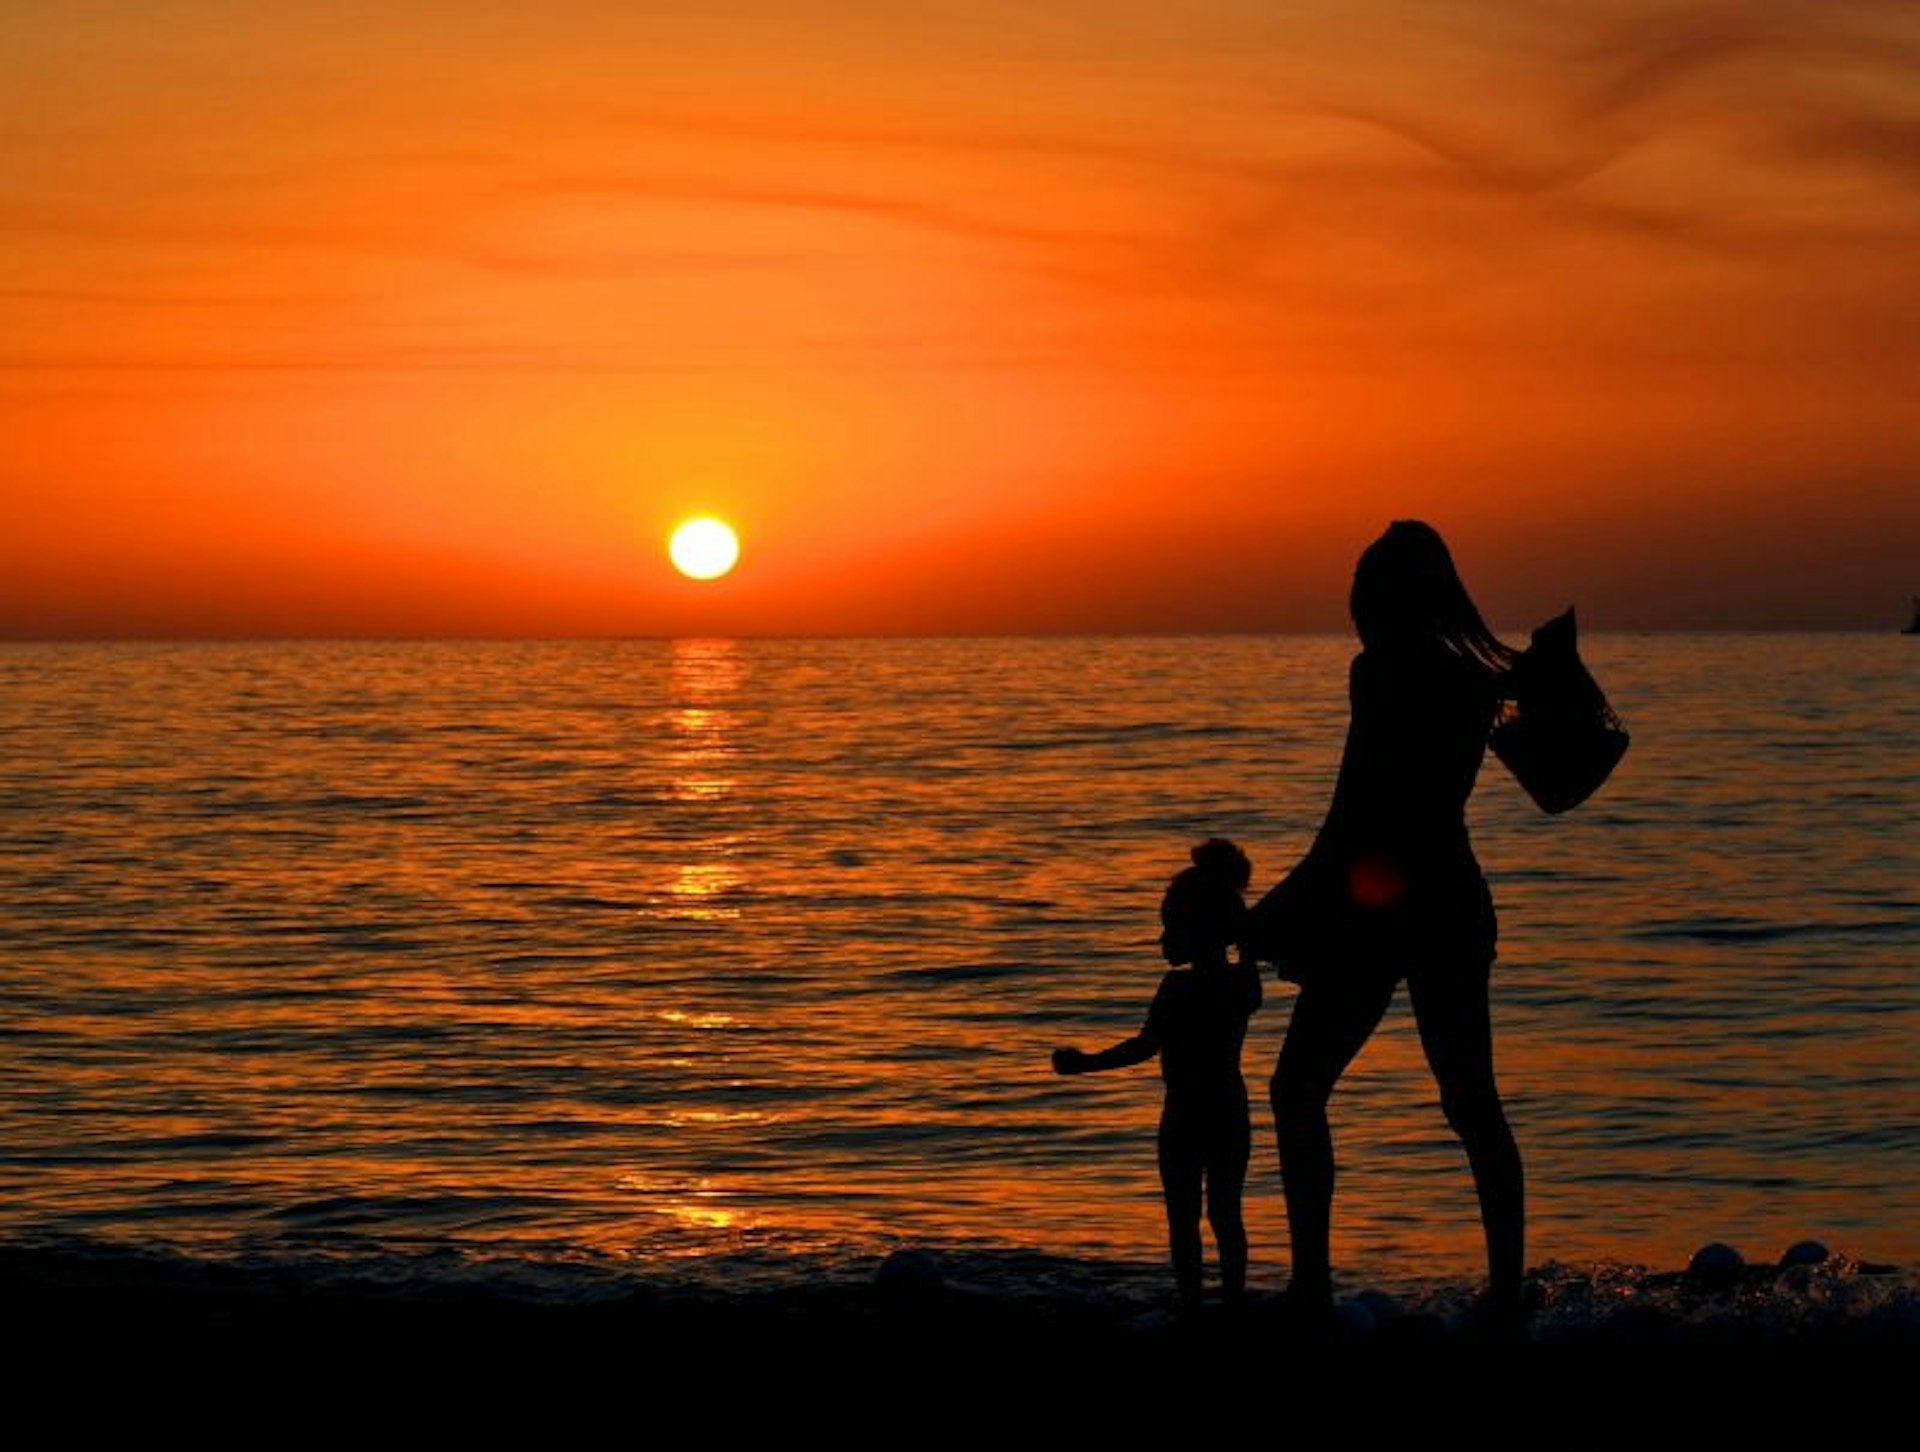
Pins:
x: 148, y: 1341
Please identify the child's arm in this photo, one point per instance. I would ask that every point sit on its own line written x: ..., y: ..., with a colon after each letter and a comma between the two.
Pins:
x: 1136, y: 1050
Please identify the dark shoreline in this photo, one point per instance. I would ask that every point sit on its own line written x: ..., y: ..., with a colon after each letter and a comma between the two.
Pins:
x: 264, y: 1333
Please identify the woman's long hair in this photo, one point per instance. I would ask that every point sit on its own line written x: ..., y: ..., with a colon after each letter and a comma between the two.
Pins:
x: 1405, y: 589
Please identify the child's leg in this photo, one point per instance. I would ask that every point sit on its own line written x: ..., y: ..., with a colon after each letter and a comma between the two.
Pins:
x: 1226, y: 1179
x: 1181, y: 1165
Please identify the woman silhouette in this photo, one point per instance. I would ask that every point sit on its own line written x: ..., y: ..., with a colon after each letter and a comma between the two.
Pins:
x: 1390, y: 889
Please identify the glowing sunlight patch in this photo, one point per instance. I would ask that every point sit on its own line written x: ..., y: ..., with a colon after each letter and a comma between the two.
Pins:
x: 704, y: 549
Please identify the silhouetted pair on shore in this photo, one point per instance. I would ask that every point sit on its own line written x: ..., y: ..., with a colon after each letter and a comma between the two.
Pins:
x: 1390, y: 890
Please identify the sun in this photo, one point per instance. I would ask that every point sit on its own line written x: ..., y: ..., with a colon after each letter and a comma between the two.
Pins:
x: 704, y: 548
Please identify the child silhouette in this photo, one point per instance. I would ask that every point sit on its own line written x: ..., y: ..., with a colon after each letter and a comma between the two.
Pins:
x: 1196, y: 1025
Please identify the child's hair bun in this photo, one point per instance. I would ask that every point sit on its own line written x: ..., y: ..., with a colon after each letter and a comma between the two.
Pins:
x: 1219, y: 861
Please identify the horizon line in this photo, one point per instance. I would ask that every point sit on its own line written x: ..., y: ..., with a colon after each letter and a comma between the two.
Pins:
x: 617, y: 637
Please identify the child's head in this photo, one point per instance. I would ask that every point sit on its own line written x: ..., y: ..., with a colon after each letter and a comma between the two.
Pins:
x: 1203, y: 912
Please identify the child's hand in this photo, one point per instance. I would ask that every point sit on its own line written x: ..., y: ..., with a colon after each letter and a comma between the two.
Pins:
x: 1069, y: 1061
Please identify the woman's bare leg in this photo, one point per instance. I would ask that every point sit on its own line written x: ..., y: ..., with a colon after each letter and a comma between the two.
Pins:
x: 1456, y: 1030
x: 1331, y: 1021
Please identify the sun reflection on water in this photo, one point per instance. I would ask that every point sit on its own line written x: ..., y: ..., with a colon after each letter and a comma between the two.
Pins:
x: 705, y: 677
x: 698, y: 889
x: 698, y: 1020
x: 689, y: 1203
x: 686, y: 1117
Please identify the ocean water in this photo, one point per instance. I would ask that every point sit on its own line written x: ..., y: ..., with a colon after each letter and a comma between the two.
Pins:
x: 659, y: 955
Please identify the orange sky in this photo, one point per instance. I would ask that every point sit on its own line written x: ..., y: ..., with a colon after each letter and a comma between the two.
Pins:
x: 434, y: 317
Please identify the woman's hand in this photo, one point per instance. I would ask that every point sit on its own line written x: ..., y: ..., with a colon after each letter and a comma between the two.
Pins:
x: 1069, y: 1061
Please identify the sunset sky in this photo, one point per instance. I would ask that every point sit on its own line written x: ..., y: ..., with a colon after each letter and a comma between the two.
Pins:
x: 436, y: 317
